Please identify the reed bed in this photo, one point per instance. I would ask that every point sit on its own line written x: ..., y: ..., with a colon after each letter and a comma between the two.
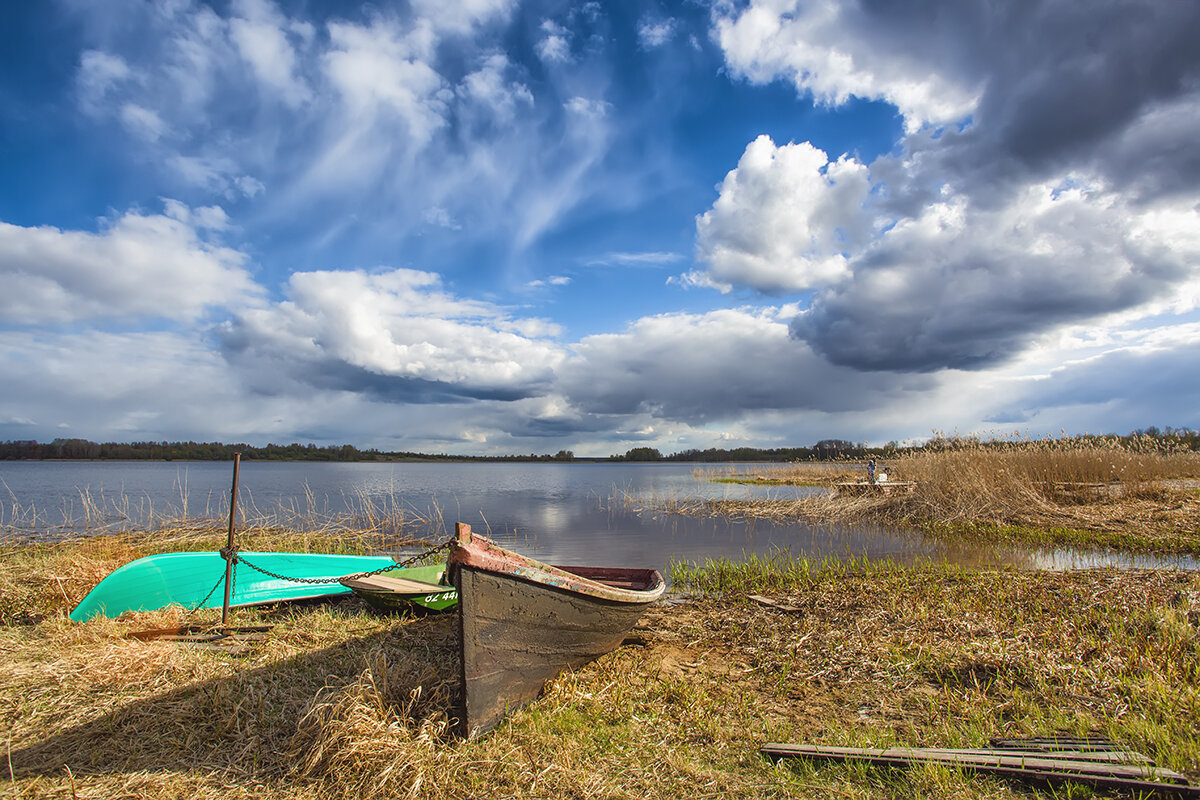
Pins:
x: 821, y: 473
x: 93, y: 513
x: 336, y: 702
x: 1133, y: 496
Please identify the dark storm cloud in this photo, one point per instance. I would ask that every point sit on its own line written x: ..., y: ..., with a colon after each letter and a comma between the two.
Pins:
x: 1075, y: 74
x: 971, y: 298
x: 1136, y: 387
x: 339, y: 376
x: 1065, y: 194
x: 1059, y: 82
x: 719, y: 366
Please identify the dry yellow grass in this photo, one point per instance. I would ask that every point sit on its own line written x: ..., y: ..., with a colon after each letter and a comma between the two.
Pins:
x: 336, y: 702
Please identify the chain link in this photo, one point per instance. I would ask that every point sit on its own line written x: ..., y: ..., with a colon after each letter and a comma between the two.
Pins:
x: 395, y: 565
x: 200, y: 605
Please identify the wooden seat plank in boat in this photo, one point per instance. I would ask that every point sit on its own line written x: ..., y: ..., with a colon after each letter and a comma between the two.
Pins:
x: 389, y: 583
x: 418, y: 588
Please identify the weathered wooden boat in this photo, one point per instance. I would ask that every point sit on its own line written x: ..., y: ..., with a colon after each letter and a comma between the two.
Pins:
x: 419, y: 587
x: 195, y: 580
x: 523, y: 622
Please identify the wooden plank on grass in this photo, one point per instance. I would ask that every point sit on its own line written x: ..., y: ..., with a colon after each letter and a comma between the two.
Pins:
x: 767, y: 601
x: 1008, y: 762
x: 1100, y: 756
x: 1053, y: 743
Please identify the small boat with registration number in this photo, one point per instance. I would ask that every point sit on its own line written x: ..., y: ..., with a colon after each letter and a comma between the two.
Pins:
x: 413, y: 587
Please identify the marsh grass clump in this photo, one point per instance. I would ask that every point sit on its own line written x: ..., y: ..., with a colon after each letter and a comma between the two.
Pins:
x: 797, y: 473
x: 1121, y: 493
x: 388, y: 728
x: 753, y: 573
x: 777, y: 571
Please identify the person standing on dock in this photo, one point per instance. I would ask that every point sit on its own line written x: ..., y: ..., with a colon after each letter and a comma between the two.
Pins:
x: 871, y: 471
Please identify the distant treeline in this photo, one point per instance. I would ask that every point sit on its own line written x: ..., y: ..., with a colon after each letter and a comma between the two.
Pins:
x: 826, y: 449
x: 821, y: 451
x: 82, y: 449
x: 77, y: 449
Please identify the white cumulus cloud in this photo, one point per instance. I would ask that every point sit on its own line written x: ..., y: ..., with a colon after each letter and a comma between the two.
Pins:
x: 1040, y: 183
x: 139, y: 265
x: 786, y: 219
x: 836, y: 51
x: 394, y: 334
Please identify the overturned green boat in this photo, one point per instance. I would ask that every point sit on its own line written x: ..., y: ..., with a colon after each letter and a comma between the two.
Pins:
x: 197, y: 580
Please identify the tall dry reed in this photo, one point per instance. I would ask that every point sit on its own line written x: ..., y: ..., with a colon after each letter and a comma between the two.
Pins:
x: 1025, y: 481
x: 1094, y: 491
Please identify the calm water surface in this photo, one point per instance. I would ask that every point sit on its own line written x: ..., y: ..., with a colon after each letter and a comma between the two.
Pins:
x: 564, y: 513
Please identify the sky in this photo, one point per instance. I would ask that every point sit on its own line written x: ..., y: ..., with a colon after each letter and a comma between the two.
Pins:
x: 499, y: 227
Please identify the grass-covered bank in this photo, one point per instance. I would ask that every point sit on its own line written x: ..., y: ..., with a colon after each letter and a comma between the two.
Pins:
x: 338, y: 702
x: 1066, y: 492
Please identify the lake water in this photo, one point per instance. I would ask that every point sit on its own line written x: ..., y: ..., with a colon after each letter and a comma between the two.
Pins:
x: 559, y: 512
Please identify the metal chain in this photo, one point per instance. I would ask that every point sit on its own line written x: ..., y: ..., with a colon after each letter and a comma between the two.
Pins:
x: 227, y: 554
x: 200, y: 605
x: 395, y: 565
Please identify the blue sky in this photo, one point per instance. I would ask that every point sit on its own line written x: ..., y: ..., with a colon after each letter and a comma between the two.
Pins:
x: 502, y: 227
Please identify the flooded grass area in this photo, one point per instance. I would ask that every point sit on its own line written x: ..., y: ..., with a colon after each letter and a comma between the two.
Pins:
x: 336, y: 701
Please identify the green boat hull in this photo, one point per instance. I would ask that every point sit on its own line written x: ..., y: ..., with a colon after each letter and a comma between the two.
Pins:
x: 196, y: 580
x: 434, y: 594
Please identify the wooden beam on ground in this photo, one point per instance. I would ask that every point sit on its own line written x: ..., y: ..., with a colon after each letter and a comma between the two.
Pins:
x: 198, y: 633
x: 767, y: 601
x: 1037, y: 766
x: 1055, y: 743
x: 1094, y: 756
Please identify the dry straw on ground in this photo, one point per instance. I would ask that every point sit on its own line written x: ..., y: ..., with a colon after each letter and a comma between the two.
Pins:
x: 338, y: 702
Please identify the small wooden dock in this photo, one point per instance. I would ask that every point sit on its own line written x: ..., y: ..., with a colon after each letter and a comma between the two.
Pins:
x: 880, y: 487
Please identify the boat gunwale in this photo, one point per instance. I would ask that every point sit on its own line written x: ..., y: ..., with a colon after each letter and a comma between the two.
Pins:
x: 480, y: 553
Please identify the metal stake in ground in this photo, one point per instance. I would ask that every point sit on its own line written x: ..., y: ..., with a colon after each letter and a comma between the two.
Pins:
x: 230, y: 553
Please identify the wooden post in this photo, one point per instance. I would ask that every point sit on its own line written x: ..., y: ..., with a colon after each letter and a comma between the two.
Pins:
x: 229, y: 555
